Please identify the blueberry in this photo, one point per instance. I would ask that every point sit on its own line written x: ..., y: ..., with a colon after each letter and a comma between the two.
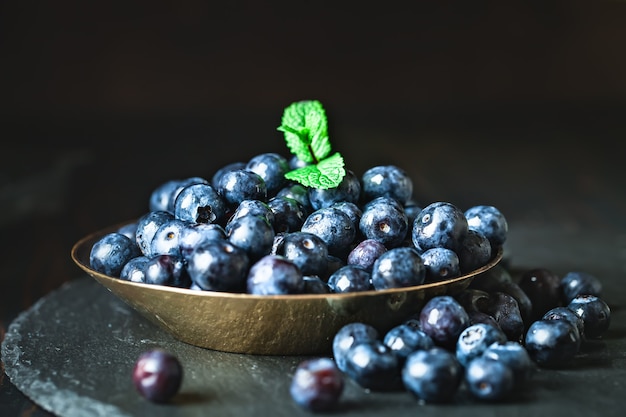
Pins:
x: 349, y: 335
x: 504, y: 309
x: 384, y: 220
x: 577, y: 282
x: 489, y: 221
x: 253, y: 207
x: 348, y: 190
x: 543, y: 288
x: 163, y: 197
x: 488, y: 379
x: 595, y: 313
x: 200, y: 203
x: 317, y: 384
x: 397, y: 268
x: 440, y: 264
x: 218, y: 265
x: 272, y: 167
x: 195, y: 233
x: 166, y: 239
x: 365, y: 253
x: 334, y: 227
x: 432, y: 375
x: 135, y: 269
x: 111, y: 252
x: 552, y: 343
x: 475, y: 251
x: 241, y: 184
x: 475, y: 339
x: 306, y: 250
x: 298, y: 192
x: 289, y: 214
x: 157, y: 375
x: 313, y: 284
x: 516, y: 357
x: 253, y: 234
x: 274, y: 275
x: 215, y: 179
x: 350, y: 278
x: 147, y: 225
x: 168, y: 270
x: 374, y: 366
x: 351, y: 209
x: 565, y: 313
x: 443, y: 319
x: 129, y: 230
x: 404, y: 339
x: 439, y: 224
x: 387, y: 181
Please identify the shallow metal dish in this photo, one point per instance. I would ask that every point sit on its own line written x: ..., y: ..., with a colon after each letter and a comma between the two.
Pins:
x: 303, y: 324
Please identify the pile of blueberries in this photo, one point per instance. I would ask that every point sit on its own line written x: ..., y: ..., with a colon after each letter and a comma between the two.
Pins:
x: 247, y: 229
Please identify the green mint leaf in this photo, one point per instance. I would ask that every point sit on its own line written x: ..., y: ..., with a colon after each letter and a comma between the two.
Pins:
x: 306, y: 133
x: 328, y: 173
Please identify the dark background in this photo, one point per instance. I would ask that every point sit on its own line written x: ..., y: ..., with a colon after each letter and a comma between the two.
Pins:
x: 100, y: 102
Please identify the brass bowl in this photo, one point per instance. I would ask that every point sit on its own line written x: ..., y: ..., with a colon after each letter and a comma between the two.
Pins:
x: 302, y: 324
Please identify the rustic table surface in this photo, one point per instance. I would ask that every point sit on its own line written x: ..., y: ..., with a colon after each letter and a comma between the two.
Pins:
x: 557, y: 175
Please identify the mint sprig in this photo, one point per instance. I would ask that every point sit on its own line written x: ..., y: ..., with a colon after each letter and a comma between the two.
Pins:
x: 305, y: 127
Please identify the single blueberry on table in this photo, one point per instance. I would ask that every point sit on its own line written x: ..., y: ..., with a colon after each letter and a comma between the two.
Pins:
x: 397, y: 268
x: 475, y: 339
x: 317, y: 384
x: 488, y: 379
x: 552, y: 343
x: 432, y: 375
x: 594, y: 311
x: 405, y: 339
x: 576, y: 283
x: 349, y: 335
x: 111, y: 252
x: 504, y: 309
x: 443, y: 319
x: 564, y: 313
x: 439, y: 224
x: 543, y: 288
x: 374, y: 366
x: 157, y: 375
x: 515, y: 356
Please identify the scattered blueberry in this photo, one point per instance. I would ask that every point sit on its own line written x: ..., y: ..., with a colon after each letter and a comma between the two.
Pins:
x: 317, y: 384
x: 157, y: 375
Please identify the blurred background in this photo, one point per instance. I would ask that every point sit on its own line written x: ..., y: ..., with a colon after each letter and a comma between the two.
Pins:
x: 100, y: 102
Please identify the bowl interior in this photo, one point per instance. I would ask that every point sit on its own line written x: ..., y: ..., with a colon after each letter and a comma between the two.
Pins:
x: 302, y: 324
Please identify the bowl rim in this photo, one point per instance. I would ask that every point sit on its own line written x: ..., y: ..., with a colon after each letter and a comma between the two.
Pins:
x: 82, y: 247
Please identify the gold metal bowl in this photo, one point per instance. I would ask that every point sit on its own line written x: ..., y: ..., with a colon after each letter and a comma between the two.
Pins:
x: 302, y: 324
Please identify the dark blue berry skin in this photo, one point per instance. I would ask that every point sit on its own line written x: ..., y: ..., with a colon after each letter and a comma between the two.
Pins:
x: 475, y: 251
x: 475, y: 339
x: 351, y: 209
x: 334, y: 227
x: 218, y: 265
x: 504, y: 309
x: 166, y: 240
x: 194, y: 233
x: 274, y: 275
x: 168, y: 270
x: 405, y: 339
x: 129, y: 229
x: 440, y: 264
x: 595, y: 313
x: 374, y: 366
x: 443, y: 319
x: 289, y: 214
x: 272, y: 167
x: 348, y: 336
x: 489, y: 380
x: 147, y: 226
x: 412, y: 209
x: 135, y: 269
x: 543, y: 288
x: 439, y: 224
x: 350, y: 278
x: 215, y: 179
x: 307, y: 250
x: 241, y: 184
x: 111, y: 252
x: 317, y: 384
x: 386, y: 181
x: 577, y: 282
x: 163, y: 197
x: 349, y: 190
x: 383, y: 219
x: 365, y: 253
x: 157, y: 375
x: 313, y: 284
x: 564, y: 313
x: 432, y: 375
x: 253, y: 207
x: 398, y: 268
x: 253, y: 234
x: 298, y: 192
x: 516, y: 357
x: 552, y: 343
x: 200, y: 203
x: 489, y: 221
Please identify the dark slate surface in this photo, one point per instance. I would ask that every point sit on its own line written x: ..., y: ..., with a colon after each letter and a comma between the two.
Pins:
x: 73, y: 351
